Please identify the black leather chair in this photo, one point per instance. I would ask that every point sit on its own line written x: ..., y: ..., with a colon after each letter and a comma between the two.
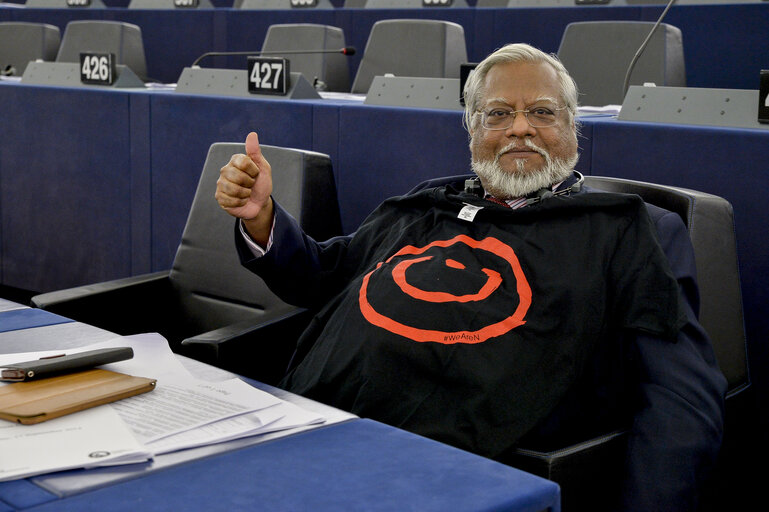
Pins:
x: 207, y: 302
x: 585, y: 471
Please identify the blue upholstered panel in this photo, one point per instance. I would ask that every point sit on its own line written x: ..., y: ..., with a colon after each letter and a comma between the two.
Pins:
x: 541, y: 27
x: 358, y: 465
x: 387, y: 151
x: 64, y: 163
x: 725, y: 46
x: 182, y: 129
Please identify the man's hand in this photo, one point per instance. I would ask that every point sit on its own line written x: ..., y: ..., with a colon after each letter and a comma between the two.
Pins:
x: 244, y: 187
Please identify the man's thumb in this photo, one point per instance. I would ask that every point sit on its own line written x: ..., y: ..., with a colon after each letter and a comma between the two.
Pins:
x: 252, y: 146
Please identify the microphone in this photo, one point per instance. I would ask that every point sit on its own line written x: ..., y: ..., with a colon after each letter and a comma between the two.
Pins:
x: 626, y: 84
x: 347, y: 50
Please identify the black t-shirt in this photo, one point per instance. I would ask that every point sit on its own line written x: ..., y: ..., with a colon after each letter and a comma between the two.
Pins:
x: 470, y: 329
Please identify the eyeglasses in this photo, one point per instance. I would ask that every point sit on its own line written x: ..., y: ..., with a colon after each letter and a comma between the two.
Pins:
x: 502, y: 118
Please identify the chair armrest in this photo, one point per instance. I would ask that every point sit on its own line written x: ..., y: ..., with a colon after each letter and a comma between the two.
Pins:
x: 258, y: 351
x: 123, y: 306
x: 587, y: 472
x: 51, y: 300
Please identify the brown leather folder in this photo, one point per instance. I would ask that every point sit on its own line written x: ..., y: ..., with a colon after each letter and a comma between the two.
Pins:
x: 41, y: 400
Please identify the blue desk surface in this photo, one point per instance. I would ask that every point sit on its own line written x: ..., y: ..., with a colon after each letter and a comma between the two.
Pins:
x: 357, y: 465
x: 350, y: 465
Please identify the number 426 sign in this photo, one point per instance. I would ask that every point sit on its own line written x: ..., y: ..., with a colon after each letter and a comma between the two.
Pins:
x: 268, y: 75
x: 97, y: 68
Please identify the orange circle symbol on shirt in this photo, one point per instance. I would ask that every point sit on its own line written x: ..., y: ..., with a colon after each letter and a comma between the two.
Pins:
x: 493, y: 281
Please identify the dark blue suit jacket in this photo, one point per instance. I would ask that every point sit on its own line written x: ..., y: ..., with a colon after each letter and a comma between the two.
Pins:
x: 669, y: 395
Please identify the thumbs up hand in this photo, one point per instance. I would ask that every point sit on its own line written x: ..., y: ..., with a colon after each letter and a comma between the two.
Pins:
x: 244, y: 187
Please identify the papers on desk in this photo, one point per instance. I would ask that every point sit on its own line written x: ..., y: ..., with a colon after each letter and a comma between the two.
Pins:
x: 182, y: 412
x: 93, y: 437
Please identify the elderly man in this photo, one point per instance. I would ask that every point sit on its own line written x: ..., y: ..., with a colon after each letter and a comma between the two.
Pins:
x: 509, y: 308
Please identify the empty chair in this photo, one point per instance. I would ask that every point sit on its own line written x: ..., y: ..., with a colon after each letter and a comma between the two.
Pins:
x: 21, y: 42
x: 122, y: 39
x: 64, y: 3
x: 598, y: 53
x: 207, y: 290
x: 413, y: 48
x: 329, y: 68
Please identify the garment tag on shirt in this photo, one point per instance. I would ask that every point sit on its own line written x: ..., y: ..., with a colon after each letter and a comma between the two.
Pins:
x: 468, y: 212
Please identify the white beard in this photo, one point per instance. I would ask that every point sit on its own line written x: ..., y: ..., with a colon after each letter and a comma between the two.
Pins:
x: 509, y: 185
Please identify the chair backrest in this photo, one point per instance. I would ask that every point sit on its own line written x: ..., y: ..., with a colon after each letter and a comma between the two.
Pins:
x: 598, y: 54
x: 330, y: 68
x: 212, y: 287
x: 62, y: 3
x: 710, y: 221
x: 122, y: 39
x: 414, y: 48
x: 21, y: 42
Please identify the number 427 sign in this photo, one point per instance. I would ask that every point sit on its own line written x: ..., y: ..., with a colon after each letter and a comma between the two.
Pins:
x: 268, y: 75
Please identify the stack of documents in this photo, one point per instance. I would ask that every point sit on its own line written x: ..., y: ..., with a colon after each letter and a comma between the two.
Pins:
x: 182, y: 412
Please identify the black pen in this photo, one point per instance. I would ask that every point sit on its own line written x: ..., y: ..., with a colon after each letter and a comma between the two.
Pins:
x: 62, y: 363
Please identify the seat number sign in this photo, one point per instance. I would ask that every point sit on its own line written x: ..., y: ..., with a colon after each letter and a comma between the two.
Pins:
x: 186, y: 3
x: 268, y: 75
x: 97, y: 68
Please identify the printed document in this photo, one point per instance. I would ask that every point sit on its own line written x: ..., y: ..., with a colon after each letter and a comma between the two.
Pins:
x: 182, y: 412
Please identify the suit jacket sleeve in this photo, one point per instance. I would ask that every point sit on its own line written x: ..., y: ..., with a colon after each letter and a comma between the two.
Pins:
x: 298, y: 269
x: 677, y: 427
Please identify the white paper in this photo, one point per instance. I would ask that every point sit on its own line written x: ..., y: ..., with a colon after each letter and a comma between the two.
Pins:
x: 181, y: 412
x: 88, y: 438
x: 184, y: 405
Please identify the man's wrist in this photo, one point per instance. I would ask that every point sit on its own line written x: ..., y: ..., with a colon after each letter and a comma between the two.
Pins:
x: 260, y: 227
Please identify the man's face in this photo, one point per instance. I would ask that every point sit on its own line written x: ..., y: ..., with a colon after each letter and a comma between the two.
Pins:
x: 522, y: 159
